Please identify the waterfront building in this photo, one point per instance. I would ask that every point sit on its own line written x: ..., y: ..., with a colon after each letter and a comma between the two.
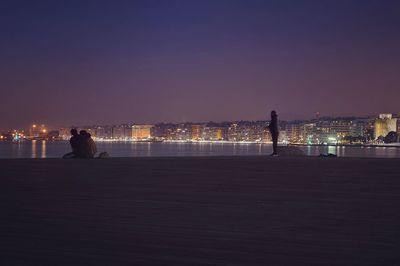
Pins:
x: 214, y: 133
x: 308, y: 133
x: 259, y: 132
x: 340, y: 128
x: 233, y: 132
x: 6, y: 136
x: 323, y: 133
x: 383, y: 125
x: 64, y: 133
x: 182, y: 133
x: 170, y: 132
x: 37, y: 131
x: 283, y: 137
x: 163, y: 131
x: 100, y: 132
x: 53, y: 135
x: 141, y: 132
x: 97, y: 132
x: 197, y: 132
x: 128, y: 132
x: 121, y: 132
x: 293, y: 132
x: 359, y: 128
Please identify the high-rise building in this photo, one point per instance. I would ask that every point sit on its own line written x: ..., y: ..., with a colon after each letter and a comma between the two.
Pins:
x: 384, y: 124
x: 233, y: 132
x: 100, y: 132
x: 196, y: 132
x: 128, y: 132
x: 359, y: 128
x: 323, y: 133
x: 118, y: 132
x: 341, y: 128
x: 308, y: 132
x: 293, y: 132
x: 141, y: 132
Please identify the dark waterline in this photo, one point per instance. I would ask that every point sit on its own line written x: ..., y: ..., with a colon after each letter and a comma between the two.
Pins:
x: 55, y: 149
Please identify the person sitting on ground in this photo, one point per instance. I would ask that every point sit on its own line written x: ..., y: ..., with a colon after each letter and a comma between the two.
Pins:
x: 87, y: 147
x: 74, y: 142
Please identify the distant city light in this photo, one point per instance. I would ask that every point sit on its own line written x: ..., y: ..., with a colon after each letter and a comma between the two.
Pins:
x: 381, y: 129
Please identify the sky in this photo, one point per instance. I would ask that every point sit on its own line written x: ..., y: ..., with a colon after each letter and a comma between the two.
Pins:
x: 110, y: 62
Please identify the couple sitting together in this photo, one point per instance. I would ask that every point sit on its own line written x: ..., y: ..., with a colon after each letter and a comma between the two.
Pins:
x: 82, y: 145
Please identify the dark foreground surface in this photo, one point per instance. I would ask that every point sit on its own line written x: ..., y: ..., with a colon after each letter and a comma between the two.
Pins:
x: 200, y: 211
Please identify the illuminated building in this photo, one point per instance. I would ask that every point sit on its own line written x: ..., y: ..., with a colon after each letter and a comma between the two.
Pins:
x: 341, y: 129
x: 214, y: 133
x: 53, y: 135
x: 233, y: 132
x: 17, y: 135
x: 141, y: 132
x: 37, y: 131
x: 359, y: 127
x: 307, y: 133
x: 117, y: 132
x: 121, y: 132
x: 64, y: 133
x: 182, y: 133
x: 128, y: 132
x: 100, y: 132
x: 196, y: 132
x: 293, y: 132
x: 163, y: 131
x: 384, y: 124
x: 6, y: 136
x: 218, y: 134
x: 323, y: 133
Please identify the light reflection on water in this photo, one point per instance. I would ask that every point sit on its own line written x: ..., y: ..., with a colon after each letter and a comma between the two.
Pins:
x: 33, y: 153
x: 55, y: 149
x: 43, y: 150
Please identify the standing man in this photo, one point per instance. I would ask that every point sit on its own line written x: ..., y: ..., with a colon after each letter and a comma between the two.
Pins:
x: 273, y: 128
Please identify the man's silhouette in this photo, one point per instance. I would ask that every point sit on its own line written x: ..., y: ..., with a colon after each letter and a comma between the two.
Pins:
x: 74, y: 142
x: 273, y: 128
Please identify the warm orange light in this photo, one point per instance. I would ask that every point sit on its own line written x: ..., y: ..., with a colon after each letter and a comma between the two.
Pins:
x: 44, y: 130
x: 33, y: 125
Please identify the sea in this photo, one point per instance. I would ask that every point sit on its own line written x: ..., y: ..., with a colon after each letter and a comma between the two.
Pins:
x: 56, y: 149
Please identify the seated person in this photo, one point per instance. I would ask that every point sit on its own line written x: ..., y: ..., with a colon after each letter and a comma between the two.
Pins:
x: 74, y: 142
x: 87, y: 147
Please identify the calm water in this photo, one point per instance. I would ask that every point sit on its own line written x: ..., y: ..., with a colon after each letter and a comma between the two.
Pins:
x: 49, y: 149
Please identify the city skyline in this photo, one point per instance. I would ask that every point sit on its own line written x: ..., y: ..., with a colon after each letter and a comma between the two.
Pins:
x: 383, y: 129
x: 180, y: 61
x: 317, y: 116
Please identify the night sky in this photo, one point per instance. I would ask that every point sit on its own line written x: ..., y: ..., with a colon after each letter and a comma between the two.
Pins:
x: 109, y: 62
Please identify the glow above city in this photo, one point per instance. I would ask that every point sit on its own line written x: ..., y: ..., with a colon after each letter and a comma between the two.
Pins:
x: 91, y: 62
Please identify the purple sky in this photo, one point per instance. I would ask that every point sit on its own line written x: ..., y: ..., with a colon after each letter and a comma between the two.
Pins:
x: 109, y: 62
